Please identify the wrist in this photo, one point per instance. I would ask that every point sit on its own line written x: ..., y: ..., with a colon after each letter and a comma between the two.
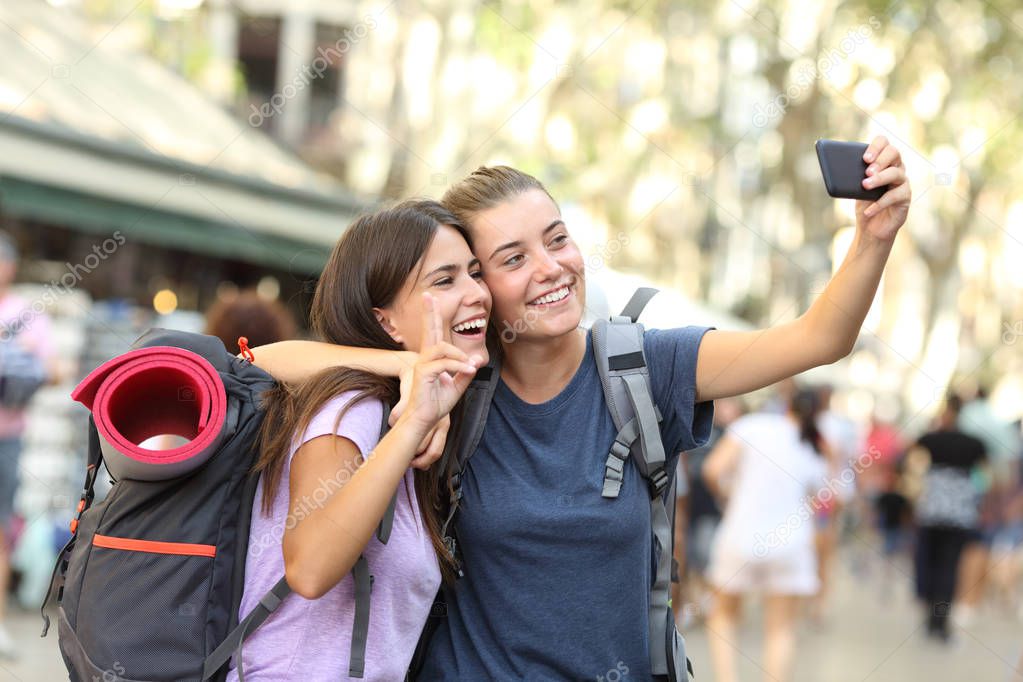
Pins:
x: 404, y: 362
x: 414, y: 426
x: 866, y: 241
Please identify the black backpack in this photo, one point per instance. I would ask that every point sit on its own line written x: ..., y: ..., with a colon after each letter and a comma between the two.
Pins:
x: 149, y: 585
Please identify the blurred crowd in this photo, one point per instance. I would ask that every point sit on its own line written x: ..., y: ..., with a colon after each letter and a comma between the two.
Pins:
x: 778, y: 489
x: 761, y: 509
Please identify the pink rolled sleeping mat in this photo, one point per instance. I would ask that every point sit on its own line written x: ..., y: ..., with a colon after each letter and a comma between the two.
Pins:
x: 150, y: 392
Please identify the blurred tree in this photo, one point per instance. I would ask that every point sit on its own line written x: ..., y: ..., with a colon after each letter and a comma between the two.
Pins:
x: 690, y: 128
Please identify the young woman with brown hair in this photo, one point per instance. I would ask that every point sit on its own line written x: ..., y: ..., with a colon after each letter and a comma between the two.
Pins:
x: 399, y: 279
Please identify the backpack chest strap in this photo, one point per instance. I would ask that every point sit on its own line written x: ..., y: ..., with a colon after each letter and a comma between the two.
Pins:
x: 614, y: 467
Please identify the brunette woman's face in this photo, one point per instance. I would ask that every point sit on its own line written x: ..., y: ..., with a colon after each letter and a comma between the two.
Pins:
x: 450, y: 272
x: 533, y: 268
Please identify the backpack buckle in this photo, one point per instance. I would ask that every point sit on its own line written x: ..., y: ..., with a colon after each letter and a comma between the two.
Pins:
x: 658, y: 480
x: 452, y: 547
x: 620, y: 450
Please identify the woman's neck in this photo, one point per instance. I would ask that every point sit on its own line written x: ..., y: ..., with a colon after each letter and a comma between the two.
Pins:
x: 538, y: 370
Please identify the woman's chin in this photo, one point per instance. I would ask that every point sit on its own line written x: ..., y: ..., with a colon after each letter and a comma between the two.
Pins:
x: 471, y: 345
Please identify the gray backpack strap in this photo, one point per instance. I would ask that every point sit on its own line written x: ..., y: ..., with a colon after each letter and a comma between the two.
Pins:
x: 232, y: 644
x: 618, y: 349
x: 625, y: 378
x: 636, y: 304
x: 360, y: 627
x: 363, y: 579
x: 473, y: 411
x: 384, y: 530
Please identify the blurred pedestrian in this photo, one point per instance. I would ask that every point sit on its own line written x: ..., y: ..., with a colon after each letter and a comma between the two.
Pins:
x: 1001, y: 440
x: 843, y: 438
x: 771, y: 468
x: 696, y: 521
x: 26, y: 361
x: 894, y: 518
x: 947, y: 513
x: 248, y: 314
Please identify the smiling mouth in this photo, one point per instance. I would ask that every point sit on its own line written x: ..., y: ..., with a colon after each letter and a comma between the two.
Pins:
x: 471, y: 328
x: 553, y: 297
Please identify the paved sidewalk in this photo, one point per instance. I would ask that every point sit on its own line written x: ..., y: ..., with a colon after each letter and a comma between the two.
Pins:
x: 864, y: 638
x: 869, y: 638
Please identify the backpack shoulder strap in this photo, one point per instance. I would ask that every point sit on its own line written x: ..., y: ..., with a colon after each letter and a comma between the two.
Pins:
x: 233, y: 642
x: 637, y: 303
x: 460, y: 446
x: 625, y: 378
x: 384, y: 530
x: 55, y: 591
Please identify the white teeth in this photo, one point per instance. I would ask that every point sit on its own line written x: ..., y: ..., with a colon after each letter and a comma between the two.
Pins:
x: 552, y: 297
x: 471, y: 324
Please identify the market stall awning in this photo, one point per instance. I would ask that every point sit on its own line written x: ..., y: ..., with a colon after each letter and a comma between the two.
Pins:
x: 100, y: 139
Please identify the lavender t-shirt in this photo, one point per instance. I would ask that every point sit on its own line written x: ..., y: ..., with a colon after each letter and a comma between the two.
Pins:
x: 311, y: 640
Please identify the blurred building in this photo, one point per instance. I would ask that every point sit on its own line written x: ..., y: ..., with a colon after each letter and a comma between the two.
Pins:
x: 136, y: 200
x: 105, y: 151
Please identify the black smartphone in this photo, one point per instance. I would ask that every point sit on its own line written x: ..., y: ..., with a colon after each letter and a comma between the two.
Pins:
x: 844, y: 169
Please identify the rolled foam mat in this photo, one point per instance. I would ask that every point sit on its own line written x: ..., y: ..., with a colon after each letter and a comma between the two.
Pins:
x: 150, y: 392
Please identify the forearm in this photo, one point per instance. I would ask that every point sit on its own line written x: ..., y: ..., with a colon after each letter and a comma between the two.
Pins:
x: 326, y: 541
x: 833, y: 321
x: 295, y: 361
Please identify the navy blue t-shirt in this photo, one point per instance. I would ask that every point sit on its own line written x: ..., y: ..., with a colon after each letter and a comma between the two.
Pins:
x: 557, y: 578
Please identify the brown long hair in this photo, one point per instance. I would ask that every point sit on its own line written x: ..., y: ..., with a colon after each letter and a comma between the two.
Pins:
x: 367, y: 269
x: 806, y: 407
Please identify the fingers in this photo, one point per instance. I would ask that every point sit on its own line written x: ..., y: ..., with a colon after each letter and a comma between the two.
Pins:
x: 462, y: 381
x: 443, y: 350
x: 436, y: 368
x: 893, y: 176
x: 405, y: 390
x: 896, y: 195
x: 397, y: 411
x: 889, y: 156
x: 435, y: 446
x: 432, y: 333
x: 874, y: 148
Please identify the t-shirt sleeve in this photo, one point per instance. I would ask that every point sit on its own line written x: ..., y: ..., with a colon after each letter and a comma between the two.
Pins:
x: 671, y: 356
x: 360, y: 424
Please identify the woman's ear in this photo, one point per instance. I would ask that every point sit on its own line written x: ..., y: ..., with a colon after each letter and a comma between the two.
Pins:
x: 383, y: 317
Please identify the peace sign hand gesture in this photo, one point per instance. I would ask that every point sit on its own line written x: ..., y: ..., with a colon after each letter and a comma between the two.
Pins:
x: 440, y: 377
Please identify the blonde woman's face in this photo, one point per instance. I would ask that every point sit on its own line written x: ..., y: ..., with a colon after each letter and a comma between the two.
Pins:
x: 532, y: 267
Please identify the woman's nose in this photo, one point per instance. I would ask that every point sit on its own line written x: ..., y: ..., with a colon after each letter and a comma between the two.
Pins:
x: 549, y: 267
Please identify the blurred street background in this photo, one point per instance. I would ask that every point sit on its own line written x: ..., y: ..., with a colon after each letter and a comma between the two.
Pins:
x: 165, y: 161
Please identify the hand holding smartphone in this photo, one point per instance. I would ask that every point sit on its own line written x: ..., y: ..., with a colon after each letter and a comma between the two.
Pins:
x: 844, y: 170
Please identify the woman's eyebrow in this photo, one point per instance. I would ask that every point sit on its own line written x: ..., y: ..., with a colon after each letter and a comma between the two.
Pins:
x: 449, y: 268
x: 510, y: 245
x: 554, y: 225
x: 518, y: 243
